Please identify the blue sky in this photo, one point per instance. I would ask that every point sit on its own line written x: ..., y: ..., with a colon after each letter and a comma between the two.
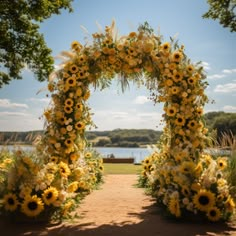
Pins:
x: 204, y: 40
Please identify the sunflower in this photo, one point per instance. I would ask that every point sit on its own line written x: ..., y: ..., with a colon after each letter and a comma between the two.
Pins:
x: 187, y: 167
x: 79, y: 92
x: 213, y: 214
x: 174, y: 207
x: 171, y: 111
x: 185, y: 191
x: 72, y: 187
x: 199, y: 111
x: 204, y: 199
x: 69, y: 142
x: 192, y: 124
x: 88, y: 155
x: 71, y: 81
x: 54, y: 159
x: 68, y: 109
x: 50, y: 195
x: 230, y: 204
x: 190, y: 69
x: 82, y: 58
x: 177, y: 76
x: 191, y: 80
x: 175, y: 90
x: 222, y: 162
x: 10, y: 202
x: 73, y: 68
x: 86, y: 95
x: 79, y: 106
x: 64, y: 169
x: 177, y: 56
x: 180, y: 121
x: 74, y: 156
x: 32, y: 206
x: 69, y: 102
x: 75, y: 45
x: 165, y: 47
x: 79, y: 125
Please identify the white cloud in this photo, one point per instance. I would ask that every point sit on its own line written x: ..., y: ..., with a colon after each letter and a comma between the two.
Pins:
x: 5, y: 114
x: 229, y: 71
x: 141, y: 100
x: 6, y: 103
x: 205, y: 65
x: 225, y: 88
x: 229, y: 108
x: 216, y: 76
x: 41, y: 100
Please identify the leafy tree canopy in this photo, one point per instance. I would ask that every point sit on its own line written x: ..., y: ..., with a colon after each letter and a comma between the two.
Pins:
x: 21, y: 44
x: 224, y: 11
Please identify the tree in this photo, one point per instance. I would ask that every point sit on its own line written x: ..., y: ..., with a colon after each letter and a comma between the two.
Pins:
x: 224, y: 11
x: 21, y: 44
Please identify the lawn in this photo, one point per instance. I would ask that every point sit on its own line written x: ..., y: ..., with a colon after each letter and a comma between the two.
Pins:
x: 120, y: 168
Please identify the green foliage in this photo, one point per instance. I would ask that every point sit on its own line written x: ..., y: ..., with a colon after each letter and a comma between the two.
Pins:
x: 21, y: 44
x: 112, y: 169
x: 224, y: 11
x: 221, y: 122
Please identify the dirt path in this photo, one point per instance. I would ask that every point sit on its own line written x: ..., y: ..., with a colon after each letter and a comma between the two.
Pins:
x: 118, y: 208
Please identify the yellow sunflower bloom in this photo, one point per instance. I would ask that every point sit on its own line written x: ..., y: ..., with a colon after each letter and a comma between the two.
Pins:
x: 50, y: 195
x: 68, y: 109
x: 73, y: 68
x: 10, y: 202
x: 214, y: 214
x: 187, y: 167
x: 177, y: 76
x: 222, y: 162
x: 79, y: 92
x: 69, y: 102
x: 71, y: 81
x: 177, y: 56
x: 204, y: 200
x: 72, y: 187
x: 64, y: 169
x: 69, y: 142
x: 174, y: 207
x: 32, y: 206
x: 180, y: 121
x: 171, y: 111
x: 79, y: 125
x: 191, y: 80
x: 165, y: 47
x: 192, y: 124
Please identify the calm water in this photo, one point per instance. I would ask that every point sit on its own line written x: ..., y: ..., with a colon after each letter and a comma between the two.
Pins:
x: 137, y: 153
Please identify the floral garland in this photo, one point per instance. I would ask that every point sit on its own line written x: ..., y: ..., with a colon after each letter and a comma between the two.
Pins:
x: 178, y: 173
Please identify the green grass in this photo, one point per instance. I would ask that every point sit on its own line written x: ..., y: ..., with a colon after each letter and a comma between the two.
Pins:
x: 121, y: 168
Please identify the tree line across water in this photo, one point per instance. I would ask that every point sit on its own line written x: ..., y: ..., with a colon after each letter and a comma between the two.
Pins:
x: 218, y: 122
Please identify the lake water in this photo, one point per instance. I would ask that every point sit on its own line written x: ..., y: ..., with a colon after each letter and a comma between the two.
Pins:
x: 137, y: 153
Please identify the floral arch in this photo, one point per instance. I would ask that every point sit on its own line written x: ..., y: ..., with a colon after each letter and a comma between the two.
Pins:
x: 181, y: 176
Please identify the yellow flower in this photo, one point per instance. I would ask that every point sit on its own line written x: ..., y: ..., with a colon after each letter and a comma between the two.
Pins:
x: 177, y: 56
x: 186, y: 191
x: 190, y: 69
x: 165, y: 47
x: 174, y: 207
x: 132, y: 35
x: 230, y: 204
x: 68, y: 109
x: 101, y: 168
x: 79, y: 125
x: 191, y: 80
x: 75, y: 45
x: 214, y: 214
x: 69, y: 142
x: 64, y: 169
x: 82, y: 59
x: 71, y: 81
x: 50, y: 195
x: 10, y: 202
x: 87, y: 95
x: 222, y: 162
x: 79, y: 106
x: 88, y: 155
x: 73, y: 68
x: 74, y: 156
x: 187, y: 167
x: 177, y: 76
x: 53, y: 159
x: 171, y: 111
x: 79, y: 92
x: 180, y: 121
x: 32, y: 206
x: 192, y: 124
x: 204, y: 200
x: 69, y: 102
x: 72, y: 187
x: 175, y: 90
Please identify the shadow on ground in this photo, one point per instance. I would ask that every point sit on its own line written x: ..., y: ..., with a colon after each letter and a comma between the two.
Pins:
x: 151, y: 224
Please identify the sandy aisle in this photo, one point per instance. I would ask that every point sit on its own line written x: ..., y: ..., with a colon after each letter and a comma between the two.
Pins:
x: 118, y: 208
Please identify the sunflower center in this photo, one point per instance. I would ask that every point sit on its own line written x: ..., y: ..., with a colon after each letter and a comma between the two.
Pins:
x: 10, y: 201
x: 203, y: 200
x: 49, y: 195
x: 32, y: 205
x: 180, y: 120
x: 213, y: 213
